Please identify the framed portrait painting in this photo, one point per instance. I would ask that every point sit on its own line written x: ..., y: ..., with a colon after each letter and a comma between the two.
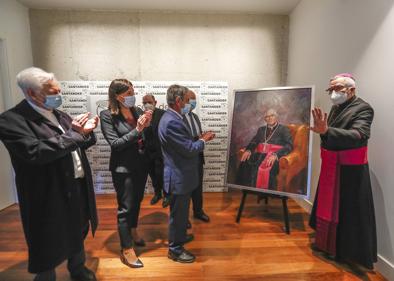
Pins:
x: 270, y: 141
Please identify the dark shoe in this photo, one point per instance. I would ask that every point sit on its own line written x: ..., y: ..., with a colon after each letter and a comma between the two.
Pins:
x: 156, y: 198
x: 129, y: 260
x: 84, y: 275
x: 202, y: 216
x: 183, y: 257
x: 166, y: 201
x: 189, y: 238
x: 49, y: 275
x: 189, y: 225
x: 140, y: 243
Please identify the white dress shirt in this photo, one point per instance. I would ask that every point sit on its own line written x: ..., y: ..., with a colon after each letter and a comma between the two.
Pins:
x: 190, y: 118
x: 78, y: 169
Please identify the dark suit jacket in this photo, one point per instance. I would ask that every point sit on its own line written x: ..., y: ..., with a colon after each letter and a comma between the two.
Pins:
x: 123, y: 140
x: 202, y: 158
x: 180, y: 154
x: 49, y: 201
x: 152, y: 142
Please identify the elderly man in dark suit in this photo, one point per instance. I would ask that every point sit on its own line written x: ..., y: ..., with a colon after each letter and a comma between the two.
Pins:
x: 181, y: 157
x: 52, y: 174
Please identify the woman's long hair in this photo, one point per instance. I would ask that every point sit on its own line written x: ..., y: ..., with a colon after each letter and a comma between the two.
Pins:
x: 117, y: 87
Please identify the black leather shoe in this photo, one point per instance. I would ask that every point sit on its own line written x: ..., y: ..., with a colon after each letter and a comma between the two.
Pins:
x: 156, y: 198
x: 202, y: 216
x: 189, y: 238
x: 183, y: 257
x: 166, y: 202
x: 140, y: 243
x: 189, y: 224
x: 84, y: 275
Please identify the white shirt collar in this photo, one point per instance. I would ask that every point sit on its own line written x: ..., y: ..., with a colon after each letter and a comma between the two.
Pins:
x: 179, y: 115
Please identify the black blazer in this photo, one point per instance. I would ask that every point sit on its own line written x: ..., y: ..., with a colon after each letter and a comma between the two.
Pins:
x: 123, y: 139
x: 152, y: 142
x: 202, y: 157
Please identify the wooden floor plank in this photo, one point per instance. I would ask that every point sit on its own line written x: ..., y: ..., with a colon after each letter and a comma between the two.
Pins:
x: 255, y: 249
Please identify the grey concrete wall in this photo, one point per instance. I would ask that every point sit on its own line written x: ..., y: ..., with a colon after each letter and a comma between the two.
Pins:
x: 246, y: 50
x: 15, y: 55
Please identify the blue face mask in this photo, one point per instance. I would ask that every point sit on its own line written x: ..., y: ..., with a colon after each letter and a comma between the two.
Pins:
x: 193, y: 104
x: 129, y: 101
x: 53, y: 101
x: 186, y: 109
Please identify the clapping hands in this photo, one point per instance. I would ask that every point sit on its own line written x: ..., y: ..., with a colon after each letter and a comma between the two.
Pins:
x: 144, y: 120
x: 83, y: 125
x: 207, y: 136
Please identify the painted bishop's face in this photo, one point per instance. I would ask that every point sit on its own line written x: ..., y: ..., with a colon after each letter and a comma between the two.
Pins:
x: 270, y: 118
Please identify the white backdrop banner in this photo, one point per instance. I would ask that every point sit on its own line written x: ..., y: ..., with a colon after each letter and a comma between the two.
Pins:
x: 92, y: 96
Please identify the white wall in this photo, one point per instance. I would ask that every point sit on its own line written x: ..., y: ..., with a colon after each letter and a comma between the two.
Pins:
x: 16, y: 55
x: 245, y: 50
x: 329, y: 37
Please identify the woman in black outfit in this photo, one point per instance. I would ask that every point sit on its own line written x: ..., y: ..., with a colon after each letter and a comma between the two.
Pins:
x: 123, y: 125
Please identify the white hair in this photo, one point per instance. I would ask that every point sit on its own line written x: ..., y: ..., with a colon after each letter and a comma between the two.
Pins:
x: 346, y: 81
x: 33, y: 78
x: 271, y: 111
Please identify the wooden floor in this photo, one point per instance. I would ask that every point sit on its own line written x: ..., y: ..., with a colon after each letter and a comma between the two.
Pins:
x: 255, y: 249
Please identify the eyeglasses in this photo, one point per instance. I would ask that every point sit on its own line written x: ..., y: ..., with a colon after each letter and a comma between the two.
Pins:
x: 336, y: 88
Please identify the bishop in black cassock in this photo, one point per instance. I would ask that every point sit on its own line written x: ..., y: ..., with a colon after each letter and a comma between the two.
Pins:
x: 343, y: 212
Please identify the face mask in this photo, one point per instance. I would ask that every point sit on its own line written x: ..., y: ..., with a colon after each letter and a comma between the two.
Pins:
x: 193, y: 104
x: 53, y: 101
x: 129, y: 101
x: 186, y: 109
x: 149, y: 106
x: 338, y: 97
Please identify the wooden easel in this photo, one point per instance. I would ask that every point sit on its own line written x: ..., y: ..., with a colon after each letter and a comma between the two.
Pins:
x: 266, y: 196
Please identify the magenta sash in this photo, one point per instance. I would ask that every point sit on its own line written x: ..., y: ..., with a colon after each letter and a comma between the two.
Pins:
x: 263, y: 173
x: 328, y: 197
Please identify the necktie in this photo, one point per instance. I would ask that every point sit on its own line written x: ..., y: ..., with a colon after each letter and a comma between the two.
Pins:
x: 194, y: 130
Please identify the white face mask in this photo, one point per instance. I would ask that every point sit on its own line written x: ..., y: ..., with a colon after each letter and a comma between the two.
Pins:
x: 338, y: 97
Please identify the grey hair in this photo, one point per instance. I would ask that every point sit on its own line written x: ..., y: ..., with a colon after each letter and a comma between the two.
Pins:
x: 33, y: 78
x: 271, y: 111
x: 347, y: 81
x: 176, y: 91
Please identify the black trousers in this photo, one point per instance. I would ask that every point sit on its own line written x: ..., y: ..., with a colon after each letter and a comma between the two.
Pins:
x: 76, y: 262
x: 155, y: 171
x: 197, y: 193
x: 129, y: 189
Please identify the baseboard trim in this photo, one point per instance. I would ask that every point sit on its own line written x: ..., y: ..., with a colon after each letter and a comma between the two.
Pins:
x: 385, y: 267
x: 305, y: 204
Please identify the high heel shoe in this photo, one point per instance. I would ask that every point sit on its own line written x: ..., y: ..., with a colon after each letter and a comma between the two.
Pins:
x: 127, y: 257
